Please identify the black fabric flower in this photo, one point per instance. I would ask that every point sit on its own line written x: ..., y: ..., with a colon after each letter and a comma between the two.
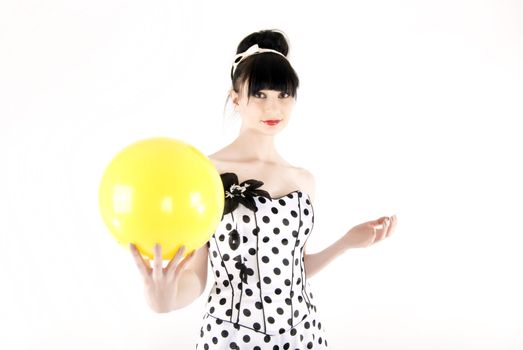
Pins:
x: 236, y: 194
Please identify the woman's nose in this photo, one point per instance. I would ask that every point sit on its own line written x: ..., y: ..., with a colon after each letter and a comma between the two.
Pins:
x: 272, y: 105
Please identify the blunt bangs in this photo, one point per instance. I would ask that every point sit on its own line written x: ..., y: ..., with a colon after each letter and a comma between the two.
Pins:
x: 269, y: 72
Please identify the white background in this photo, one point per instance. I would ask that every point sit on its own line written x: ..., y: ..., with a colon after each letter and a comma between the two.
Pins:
x: 405, y: 107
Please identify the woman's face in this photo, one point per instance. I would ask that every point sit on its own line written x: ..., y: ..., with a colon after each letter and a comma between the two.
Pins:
x: 267, y: 112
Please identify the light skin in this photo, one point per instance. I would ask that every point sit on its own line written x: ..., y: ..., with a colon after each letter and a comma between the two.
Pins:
x: 252, y: 155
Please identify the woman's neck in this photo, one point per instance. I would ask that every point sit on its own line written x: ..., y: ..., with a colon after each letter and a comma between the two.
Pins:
x: 253, y: 146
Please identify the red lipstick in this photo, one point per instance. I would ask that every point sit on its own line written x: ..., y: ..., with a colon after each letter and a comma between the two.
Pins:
x: 272, y: 122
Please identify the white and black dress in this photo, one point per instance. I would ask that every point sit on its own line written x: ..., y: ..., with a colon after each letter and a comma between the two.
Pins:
x: 261, y: 298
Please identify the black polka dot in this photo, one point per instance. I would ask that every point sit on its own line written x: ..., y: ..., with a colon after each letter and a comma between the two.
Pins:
x: 246, y: 219
x: 266, y: 219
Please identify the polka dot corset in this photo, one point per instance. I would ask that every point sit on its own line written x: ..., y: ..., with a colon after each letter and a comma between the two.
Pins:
x: 257, y: 259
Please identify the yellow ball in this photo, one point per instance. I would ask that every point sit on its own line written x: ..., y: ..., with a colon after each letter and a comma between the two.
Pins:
x: 164, y: 191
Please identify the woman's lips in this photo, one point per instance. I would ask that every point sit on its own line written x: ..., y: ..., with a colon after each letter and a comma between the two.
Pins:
x: 271, y: 122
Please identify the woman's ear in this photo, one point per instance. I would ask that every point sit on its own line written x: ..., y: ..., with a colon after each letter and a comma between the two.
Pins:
x: 234, y: 97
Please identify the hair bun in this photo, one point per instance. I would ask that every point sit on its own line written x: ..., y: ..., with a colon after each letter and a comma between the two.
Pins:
x: 267, y: 39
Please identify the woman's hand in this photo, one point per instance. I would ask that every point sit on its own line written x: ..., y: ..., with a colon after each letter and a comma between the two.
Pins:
x: 368, y: 233
x: 161, y: 283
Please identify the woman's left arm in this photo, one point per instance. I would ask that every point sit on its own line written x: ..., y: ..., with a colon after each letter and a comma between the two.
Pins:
x: 360, y: 236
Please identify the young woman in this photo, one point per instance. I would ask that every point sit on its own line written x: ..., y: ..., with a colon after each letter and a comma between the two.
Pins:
x: 261, y: 298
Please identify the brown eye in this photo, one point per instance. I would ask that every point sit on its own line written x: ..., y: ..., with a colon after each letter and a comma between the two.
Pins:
x: 284, y: 95
x: 258, y: 94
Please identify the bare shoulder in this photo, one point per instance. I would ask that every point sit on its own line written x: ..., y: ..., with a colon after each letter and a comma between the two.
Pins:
x: 218, y: 161
x: 306, y: 181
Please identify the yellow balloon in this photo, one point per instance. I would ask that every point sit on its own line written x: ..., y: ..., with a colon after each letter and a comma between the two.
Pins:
x: 161, y: 190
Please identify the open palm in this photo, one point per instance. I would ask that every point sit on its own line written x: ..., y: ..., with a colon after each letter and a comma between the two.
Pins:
x: 370, y: 232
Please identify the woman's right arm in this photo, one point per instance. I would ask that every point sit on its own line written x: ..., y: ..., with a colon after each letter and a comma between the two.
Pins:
x: 178, y: 284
